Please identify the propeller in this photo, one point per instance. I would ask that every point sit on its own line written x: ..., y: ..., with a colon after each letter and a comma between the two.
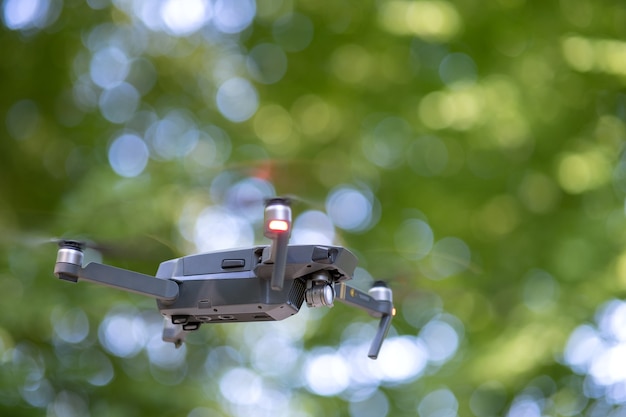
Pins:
x: 147, y: 248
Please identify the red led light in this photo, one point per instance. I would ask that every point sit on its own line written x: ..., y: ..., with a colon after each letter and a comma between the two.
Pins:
x: 278, y: 226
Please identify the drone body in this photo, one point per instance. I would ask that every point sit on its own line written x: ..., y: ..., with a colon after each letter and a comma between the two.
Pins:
x: 235, y: 285
x: 262, y: 283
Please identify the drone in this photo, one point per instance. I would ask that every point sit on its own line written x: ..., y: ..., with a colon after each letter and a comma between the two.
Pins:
x: 261, y: 283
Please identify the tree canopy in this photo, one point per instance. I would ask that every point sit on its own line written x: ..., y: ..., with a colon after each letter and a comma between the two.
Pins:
x: 469, y: 153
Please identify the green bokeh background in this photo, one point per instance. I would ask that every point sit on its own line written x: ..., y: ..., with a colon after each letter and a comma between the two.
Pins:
x: 500, y: 125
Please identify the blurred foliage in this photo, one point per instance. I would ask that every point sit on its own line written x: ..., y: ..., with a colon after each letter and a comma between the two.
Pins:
x: 471, y: 153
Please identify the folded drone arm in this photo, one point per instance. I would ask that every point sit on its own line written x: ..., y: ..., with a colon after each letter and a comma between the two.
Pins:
x: 381, y: 306
x: 357, y: 298
x: 69, y: 268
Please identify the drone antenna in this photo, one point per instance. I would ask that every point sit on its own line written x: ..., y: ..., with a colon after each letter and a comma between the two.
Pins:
x: 278, y: 228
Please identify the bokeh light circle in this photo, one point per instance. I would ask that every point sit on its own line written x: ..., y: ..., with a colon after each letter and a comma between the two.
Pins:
x: 350, y: 209
x: 128, y: 155
x: 109, y: 67
x: 377, y: 405
x: 403, y: 358
x: 123, y: 332
x: 70, y: 326
x: 267, y: 63
x: 414, y: 239
x: 241, y: 386
x: 30, y: 14
x: 184, y: 18
x: 449, y: 256
x: 237, y: 99
x: 438, y: 403
x: 313, y: 227
x: 216, y: 228
x: 441, y: 340
x: 119, y: 103
x: 457, y: 67
x: 233, y: 16
x: 174, y: 136
x: 326, y: 373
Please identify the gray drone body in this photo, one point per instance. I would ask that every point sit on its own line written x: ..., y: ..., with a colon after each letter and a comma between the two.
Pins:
x: 235, y: 285
x: 262, y: 283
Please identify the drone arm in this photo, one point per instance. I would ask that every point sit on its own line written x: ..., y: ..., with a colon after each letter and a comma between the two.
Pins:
x: 118, y: 278
x: 381, y: 306
x: 356, y: 298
